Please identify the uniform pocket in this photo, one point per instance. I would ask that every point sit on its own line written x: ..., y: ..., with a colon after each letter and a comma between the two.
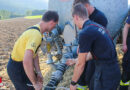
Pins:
x: 97, y: 79
x: 97, y: 75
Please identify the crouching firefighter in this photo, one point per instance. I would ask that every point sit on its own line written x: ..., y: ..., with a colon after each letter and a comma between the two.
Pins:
x: 94, y: 38
x: 23, y: 66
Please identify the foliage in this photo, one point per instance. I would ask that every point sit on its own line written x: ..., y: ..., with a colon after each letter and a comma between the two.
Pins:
x: 4, y: 14
x: 35, y: 12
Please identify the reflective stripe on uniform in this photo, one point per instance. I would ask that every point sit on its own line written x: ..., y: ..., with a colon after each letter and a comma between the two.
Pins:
x: 124, y: 84
x: 82, y: 87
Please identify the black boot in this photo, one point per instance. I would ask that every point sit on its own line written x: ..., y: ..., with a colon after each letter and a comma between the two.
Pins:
x: 123, y: 88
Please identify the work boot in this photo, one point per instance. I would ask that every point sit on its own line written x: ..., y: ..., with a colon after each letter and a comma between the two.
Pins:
x: 123, y: 88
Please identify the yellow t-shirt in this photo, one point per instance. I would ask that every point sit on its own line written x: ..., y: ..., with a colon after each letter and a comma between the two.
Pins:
x: 30, y: 39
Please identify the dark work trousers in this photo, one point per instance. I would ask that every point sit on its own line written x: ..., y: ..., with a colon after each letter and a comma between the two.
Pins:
x: 126, y: 67
x: 107, y: 75
x: 126, y: 60
x: 86, y: 77
x: 18, y: 76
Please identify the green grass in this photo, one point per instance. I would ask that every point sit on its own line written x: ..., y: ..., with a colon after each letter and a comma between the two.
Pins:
x: 33, y: 17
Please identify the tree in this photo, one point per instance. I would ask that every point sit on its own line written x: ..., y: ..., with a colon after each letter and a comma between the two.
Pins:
x: 28, y: 13
x: 38, y: 12
x: 4, y: 14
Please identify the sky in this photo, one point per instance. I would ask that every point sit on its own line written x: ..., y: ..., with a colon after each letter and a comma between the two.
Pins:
x: 45, y: 2
x: 36, y: 4
x: 129, y: 3
x: 28, y: 4
x: 21, y: 6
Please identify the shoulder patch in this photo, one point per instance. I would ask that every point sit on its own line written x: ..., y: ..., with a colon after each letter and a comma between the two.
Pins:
x: 33, y: 44
x: 101, y: 30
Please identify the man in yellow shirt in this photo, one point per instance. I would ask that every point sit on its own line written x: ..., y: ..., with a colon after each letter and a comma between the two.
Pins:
x: 24, y: 61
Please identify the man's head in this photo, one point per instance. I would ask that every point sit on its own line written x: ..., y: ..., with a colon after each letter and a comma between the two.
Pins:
x: 80, y: 15
x: 51, y: 19
x: 81, y: 1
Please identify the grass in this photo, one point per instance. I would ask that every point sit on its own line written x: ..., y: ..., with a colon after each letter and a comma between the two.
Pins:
x: 33, y: 17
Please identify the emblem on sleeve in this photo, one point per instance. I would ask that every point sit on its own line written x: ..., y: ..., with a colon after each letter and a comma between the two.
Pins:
x: 33, y: 44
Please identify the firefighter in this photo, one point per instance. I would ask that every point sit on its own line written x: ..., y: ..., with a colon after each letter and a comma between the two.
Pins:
x: 100, y: 18
x: 94, y: 38
x: 125, y: 79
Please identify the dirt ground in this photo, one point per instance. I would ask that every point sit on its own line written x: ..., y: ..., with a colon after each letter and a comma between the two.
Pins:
x: 10, y: 30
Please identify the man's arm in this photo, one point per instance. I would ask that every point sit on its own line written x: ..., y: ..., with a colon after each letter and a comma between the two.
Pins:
x: 71, y: 62
x: 79, y: 67
x: 29, y: 69
x: 29, y: 66
x: 37, y: 69
x: 89, y: 56
x: 125, y: 34
x: 36, y: 64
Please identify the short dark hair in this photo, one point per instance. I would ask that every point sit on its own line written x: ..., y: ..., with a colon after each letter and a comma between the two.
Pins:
x: 80, y: 10
x: 50, y: 15
x: 81, y: 1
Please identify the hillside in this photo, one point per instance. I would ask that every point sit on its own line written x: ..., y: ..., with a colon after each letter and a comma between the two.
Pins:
x: 21, y: 6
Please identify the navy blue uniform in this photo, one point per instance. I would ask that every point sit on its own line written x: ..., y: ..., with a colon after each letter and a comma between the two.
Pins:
x: 95, y: 40
x: 98, y: 17
x: 126, y: 58
x: 126, y: 61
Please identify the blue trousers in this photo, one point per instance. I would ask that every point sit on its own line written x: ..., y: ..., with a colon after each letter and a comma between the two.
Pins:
x: 107, y: 76
x: 126, y: 67
x: 87, y: 76
x: 126, y: 63
x: 18, y: 76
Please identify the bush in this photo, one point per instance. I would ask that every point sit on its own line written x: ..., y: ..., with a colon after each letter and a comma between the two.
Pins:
x: 4, y: 14
x: 35, y: 12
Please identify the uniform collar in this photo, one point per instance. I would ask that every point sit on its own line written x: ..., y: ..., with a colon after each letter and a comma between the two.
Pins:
x: 93, y: 14
x: 86, y: 23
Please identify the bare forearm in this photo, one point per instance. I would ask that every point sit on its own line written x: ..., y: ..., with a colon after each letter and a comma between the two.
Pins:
x: 89, y: 57
x: 29, y: 69
x: 29, y: 66
x: 79, y: 67
x: 78, y: 70
x: 125, y: 33
x: 36, y: 64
